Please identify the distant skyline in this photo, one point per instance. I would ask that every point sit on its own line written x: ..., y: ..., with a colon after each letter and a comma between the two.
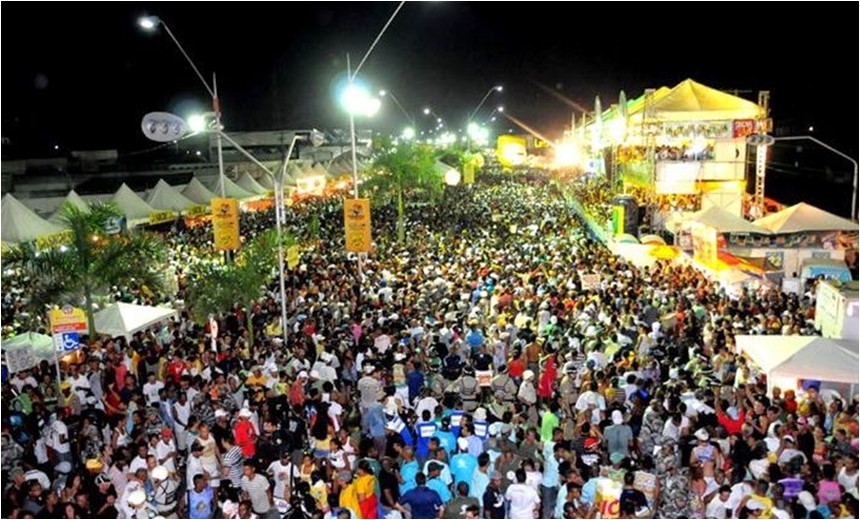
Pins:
x: 85, y: 73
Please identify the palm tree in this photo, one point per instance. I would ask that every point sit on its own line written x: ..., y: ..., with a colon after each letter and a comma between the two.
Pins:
x: 90, y: 262
x: 402, y: 168
x: 216, y: 287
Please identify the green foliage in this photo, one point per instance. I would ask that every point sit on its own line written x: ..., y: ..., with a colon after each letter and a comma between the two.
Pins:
x: 89, y: 263
x: 403, y: 169
x: 214, y: 288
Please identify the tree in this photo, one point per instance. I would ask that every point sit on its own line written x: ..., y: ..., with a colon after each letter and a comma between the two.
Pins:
x: 401, y: 168
x: 90, y: 262
x: 216, y: 287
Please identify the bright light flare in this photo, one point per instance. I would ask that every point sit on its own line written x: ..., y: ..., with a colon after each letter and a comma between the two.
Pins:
x: 452, y: 177
x: 567, y: 155
x: 197, y: 123
x: 409, y: 133
x: 147, y: 22
x: 357, y: 100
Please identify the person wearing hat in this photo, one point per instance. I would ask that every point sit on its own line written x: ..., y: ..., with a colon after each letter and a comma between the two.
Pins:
x: 705, y: 455
x: 463, y: 464
x: 165, y: 450
x: 493, y: 499
x: 788, y: 451
x: 503, y: 386
x: 466, y: 386
x: 164, y: 496
x: 245, y: 433
x: 527, y: 395
x: 434, y: 481
x: 369, y: 387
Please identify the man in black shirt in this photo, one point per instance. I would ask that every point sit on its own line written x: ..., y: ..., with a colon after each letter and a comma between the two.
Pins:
x: 494, y: 500
x: 388, y: 485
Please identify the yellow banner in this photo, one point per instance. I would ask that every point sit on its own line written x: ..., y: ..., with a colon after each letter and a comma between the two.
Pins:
x: 356, y: 220
x: 293, y: 257
x: 469, y: 174
x: 225, y: 224
x: 68, y: 319
x: 161, y: 217
x: 197, y: 211
x: 50, y: 241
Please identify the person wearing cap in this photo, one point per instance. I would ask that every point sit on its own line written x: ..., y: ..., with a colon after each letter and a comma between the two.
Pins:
x: 245, y: 434
x: 618, y: 437
x: 503, y: 387
x: 165, y: 492
x: 704, y: 454
x: 463, y: 464
x: 165, y: 450
x: 466, y: 386
x: 788, y: 451
x: 493, y: 499
x: 434, y: 481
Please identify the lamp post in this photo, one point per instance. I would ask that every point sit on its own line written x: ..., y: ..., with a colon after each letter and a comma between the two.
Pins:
x: 388, y: 93
x: 837, y: 152
x: 495, y: 88
x: 279, y: 218
x: 351, y: 74
x: 150, y: 23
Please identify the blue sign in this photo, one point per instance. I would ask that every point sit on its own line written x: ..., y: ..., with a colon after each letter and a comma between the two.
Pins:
x: 67, y: 341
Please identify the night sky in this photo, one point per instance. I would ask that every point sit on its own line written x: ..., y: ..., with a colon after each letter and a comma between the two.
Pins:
x: 82, y: 75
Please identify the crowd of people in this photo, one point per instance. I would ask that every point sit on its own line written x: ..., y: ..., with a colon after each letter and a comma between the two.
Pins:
x: 469, y: 372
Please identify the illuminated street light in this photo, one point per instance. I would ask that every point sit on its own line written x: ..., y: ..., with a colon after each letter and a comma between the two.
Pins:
x: 452, y: 177
x: 150, y: 23
x: 197, y: 123
x: 409, y: 133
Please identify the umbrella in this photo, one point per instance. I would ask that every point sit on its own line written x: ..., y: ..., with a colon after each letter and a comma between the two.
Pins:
x: 626, y: 238
x: 664, y: 252
x: 652, y: 239
x: 27, y: 350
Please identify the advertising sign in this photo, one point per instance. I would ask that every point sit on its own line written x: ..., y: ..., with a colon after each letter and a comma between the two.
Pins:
x: 67, y: 324
x: 356, y: 220
x: 225, y: 224
x: 293, y: 257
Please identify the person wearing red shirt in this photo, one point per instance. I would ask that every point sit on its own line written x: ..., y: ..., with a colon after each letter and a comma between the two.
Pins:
x: 245, y: 434
x: 176, y: 368
x: 516, y: 368
x: 733, y: 418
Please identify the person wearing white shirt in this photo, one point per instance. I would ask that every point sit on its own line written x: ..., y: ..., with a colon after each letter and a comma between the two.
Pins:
x: 722, y: 505
x: 523, y: 499
x: 150, y: 390
x: 280, y: 470
x: 23, y: 378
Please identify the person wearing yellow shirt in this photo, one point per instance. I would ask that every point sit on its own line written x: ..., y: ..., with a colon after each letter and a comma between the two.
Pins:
x: 257, y: 378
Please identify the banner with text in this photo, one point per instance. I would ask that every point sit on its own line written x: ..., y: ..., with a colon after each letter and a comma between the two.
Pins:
x: 67, y: 326
x: 356, y: 220
x: 225, y: 224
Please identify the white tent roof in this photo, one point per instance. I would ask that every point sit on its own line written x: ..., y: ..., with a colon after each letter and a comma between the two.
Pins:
x: 196, y: 191
x: 247, y: 183
x: 130, y: 203
x: 27, y: 350
x: 124, y: 319
x: 164, y: 196
x: 726, y: 222
x: 21, y: 224
x: 266, y: 181
x: 232, y: 189
x: 293, y: 173
x: 692, y: 101
x: 803, y: 217
x: 803, y: 357
x: 72, y: 198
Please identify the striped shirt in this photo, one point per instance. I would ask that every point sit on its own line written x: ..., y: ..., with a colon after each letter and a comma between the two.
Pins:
x: 257, y: 488
x: 232, y: 460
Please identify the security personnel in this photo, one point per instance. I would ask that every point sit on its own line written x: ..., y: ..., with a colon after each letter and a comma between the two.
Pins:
x: 466, y: 386
x: 503, y: 387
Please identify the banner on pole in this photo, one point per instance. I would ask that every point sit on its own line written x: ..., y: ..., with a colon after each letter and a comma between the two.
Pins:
x: 293, y: 257
x: 67, y: 325
x: 225, y: 224
x: 356, y: 220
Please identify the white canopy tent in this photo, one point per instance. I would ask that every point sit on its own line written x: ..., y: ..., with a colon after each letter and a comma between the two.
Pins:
x: 27, y: 350
x: 802, y: 357
x: 165, y: 197
x: 725, y: 222
x: 72, y: 198
x: 21, y: 224
x: 247, y: 183
x: 803, y: 217
x: 231, y: 189
x: 136, y: 209
x: 124, y: 319
x: 196, y: 191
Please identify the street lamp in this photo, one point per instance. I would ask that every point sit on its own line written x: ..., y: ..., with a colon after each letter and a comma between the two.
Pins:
x: 351, y: 75
x: 150, y: 23
x: 280, y: 208
x: 388, y: 93
x: 497, y: 88
x: 837, y: 152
